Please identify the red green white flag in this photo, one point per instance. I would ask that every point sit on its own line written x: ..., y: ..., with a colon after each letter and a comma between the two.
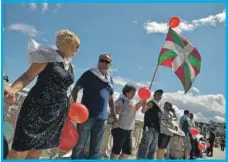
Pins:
x: 180, y: 55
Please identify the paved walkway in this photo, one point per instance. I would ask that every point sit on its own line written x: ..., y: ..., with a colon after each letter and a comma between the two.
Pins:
x: 218, y: 154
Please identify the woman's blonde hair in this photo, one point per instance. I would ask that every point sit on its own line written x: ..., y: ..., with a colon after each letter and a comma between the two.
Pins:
x: 64, y: 37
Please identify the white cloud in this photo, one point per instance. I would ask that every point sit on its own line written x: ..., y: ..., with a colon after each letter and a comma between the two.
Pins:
x: 44, y: 39
x: 24, y: 28
x: 135, y: 22
x: 161, y: 27
x: 194, y: 89
x: 219, y: 119
x: 58, y: 6
x: 44, y: 7
x: 54, y: 47
x: 32, y: 6
x: 113, y: 70
x: 120, y: 81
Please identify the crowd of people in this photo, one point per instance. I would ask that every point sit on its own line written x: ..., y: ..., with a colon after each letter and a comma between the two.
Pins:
x: 44, y: 111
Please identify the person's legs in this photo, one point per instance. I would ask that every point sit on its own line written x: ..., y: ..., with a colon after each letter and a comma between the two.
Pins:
x: 34, y: 154
x: 187, y: 146
x: 193, y: 149
x: 160, y: 151
x: 163, y: 141
x: 127, y: 147
x: 145, y: 144
x: 96, y: 138
x: 153, y: 145
x: 17, y: 155
x: 6, y: 147
x: 212, y: 150
x: 83, y: 132
x: 208, y: 151
x: 118, y: 140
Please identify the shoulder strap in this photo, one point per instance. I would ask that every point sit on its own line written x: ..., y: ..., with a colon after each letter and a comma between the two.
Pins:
x: 122, y: 100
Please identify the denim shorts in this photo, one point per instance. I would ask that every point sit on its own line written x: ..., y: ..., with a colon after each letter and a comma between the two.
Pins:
x: 148, y: 144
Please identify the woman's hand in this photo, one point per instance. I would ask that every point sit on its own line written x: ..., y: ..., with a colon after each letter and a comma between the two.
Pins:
x: 115, y: 122
x: 9, y: 98
x: 144, y: 105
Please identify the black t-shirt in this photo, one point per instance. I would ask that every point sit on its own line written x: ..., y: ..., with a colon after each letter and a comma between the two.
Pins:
x: 212, y: 137
x: 152, y: 117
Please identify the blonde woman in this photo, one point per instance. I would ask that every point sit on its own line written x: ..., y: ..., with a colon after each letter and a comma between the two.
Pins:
x: 42, y: 115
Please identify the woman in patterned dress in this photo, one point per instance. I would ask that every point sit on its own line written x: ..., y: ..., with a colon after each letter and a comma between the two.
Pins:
x: 42, y: 115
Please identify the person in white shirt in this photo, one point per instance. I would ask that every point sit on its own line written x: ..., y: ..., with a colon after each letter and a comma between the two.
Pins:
x: 121, y: 132
x: 167, y: 117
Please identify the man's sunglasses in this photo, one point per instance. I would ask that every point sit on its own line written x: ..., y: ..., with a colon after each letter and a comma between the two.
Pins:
x: 105, y: 61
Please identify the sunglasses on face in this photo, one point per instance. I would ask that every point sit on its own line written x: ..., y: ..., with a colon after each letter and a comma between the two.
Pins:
x: 104, y: 61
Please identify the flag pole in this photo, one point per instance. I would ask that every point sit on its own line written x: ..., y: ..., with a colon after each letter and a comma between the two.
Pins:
x: 155, y: 72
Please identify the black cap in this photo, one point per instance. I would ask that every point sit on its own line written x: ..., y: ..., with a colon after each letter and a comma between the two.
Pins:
x: 186, y: 112
x: 159, y: 91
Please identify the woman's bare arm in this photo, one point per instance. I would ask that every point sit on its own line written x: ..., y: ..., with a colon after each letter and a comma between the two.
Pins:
x: 6, y: 87
x: 138, y: 105
x: 28, y: 76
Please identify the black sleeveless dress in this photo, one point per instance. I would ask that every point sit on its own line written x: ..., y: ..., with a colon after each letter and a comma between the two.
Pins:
x: 42, y: 115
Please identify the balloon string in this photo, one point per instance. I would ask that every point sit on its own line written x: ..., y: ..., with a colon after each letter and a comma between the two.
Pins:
x: 155, y: 72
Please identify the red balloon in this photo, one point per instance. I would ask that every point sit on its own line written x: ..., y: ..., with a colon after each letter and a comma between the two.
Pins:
x: 69, y: 137
x: 144, y: 93
x: 201, y: 146
x: 78, y: 113
x: 174, y: 22
x: 208, y: 145
x: 194, y: 131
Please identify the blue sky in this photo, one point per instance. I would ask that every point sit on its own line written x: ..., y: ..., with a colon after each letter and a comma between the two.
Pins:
x: 132, y: 33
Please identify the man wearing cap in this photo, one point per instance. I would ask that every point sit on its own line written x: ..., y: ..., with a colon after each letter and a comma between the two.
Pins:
x: 97, y: 88
x: 151, y: 128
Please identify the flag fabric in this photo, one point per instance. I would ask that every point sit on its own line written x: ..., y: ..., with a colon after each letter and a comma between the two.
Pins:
x: 180, y: 55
